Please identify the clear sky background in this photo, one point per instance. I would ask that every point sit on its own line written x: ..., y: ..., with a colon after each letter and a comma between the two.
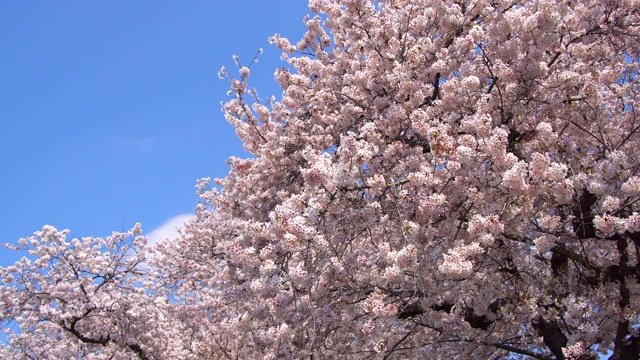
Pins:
x: 110, y: 110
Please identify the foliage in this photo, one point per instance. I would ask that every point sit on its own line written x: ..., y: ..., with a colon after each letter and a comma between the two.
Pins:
x: 458, y: 178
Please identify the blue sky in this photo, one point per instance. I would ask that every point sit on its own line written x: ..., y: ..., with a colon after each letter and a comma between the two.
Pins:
x: 110, y: 110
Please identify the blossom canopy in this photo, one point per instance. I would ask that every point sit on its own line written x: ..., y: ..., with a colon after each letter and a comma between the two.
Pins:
x: 458, y: 178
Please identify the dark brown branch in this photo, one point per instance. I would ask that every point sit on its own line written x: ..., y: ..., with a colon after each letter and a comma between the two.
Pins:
x: 393, y: 348
x: 583, y: 217
x: 138, y: 351
x: 552, y: 336
x: 87, y: 340
x: 436, y: 88
x: 626, y: 345
x: 516, y: 350
x: 103, y: 340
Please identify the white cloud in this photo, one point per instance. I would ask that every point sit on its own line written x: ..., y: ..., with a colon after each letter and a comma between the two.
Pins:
x: 168, y: 229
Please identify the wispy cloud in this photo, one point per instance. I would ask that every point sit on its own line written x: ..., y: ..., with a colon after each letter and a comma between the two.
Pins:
x: 139, y: 144
x: 168, y: 230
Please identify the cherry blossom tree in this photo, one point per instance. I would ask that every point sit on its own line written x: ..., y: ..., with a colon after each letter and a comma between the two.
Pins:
x: 439, y: 178
x: 81, y: 299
